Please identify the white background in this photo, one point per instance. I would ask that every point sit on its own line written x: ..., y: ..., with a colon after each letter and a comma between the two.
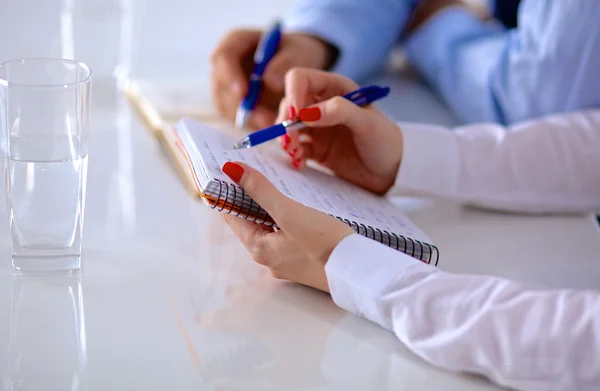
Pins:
x: 167, y: 37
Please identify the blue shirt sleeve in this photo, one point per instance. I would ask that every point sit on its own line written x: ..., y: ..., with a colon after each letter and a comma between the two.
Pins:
x: 364, y: 31
x: 484, y: 72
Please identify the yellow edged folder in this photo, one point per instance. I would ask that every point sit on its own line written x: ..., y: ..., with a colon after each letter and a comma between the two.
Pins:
x: 163, y: 131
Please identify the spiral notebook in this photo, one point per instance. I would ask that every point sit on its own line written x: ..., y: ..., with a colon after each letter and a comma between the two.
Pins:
x: 206, y: 149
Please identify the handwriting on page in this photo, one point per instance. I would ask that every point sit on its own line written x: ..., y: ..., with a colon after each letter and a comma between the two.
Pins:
x: 310, y: 187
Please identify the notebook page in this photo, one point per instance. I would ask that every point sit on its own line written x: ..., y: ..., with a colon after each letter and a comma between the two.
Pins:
x: 310, y: 187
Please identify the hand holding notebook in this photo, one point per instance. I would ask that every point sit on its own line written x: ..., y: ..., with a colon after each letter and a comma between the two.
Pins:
x: 208, y: 149
x: 299, y: 250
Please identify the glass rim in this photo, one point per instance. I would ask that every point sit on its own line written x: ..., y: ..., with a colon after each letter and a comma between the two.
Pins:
x: 87, y: 79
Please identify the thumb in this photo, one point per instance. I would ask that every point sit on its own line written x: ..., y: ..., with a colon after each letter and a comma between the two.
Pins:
x: 274, y: 76
x: 259, y: 188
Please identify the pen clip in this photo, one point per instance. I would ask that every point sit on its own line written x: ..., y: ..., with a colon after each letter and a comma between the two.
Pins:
x: 367, y: 94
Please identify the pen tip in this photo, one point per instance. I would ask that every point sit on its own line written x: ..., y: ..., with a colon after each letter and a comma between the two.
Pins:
x: 240, y: 118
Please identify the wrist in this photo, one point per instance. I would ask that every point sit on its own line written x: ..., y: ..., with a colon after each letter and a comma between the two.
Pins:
x: 343, y: 233
x: 396, y: 152
x: 340, y: 234
x: 324, y: 53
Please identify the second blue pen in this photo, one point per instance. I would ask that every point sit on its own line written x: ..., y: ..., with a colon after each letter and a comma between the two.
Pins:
x: 264, y: 53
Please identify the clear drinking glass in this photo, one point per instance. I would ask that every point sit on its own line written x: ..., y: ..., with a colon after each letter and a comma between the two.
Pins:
x: 45, y: 110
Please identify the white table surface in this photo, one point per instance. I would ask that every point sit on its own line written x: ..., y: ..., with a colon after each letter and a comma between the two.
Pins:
x: 168, y: 299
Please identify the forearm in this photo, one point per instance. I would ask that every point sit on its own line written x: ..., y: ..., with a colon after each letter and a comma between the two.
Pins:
x: 519, y: 337
x: 547, y: 165
x: 362, y: 32
x: 548, y: 64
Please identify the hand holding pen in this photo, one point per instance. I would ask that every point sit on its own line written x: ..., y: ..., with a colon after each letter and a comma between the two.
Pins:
x: 230, y: 77
x: 356, y: 141
x: 360, y: 97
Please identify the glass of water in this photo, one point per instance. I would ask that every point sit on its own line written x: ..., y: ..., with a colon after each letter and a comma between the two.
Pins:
x: 45, y: 107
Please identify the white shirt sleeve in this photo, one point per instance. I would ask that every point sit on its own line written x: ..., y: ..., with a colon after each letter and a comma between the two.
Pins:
x: 520, y: 337
x: 551, y: 164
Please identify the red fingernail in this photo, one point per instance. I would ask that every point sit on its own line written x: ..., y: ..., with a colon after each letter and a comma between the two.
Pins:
x: 310, y: 114
x: 292, y: 153
x: 286, y: 141
x: 292, y: 112
x: 233, y: 171
x: 296, y: 163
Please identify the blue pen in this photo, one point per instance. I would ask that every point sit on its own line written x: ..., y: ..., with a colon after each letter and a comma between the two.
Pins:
x: 264, y: 53
x: 360, y: 97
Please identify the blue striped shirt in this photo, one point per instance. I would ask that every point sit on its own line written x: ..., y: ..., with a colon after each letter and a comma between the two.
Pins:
x: 485, y: 71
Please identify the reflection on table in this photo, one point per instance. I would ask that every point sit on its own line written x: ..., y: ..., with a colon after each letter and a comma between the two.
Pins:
x: 47, y: 339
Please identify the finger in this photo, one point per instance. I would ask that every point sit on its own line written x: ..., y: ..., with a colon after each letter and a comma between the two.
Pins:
x: 284, y: 111
x: 226, y: 102
x: 287, y: 112
x: 226, y: 97
x: 237, y: 43
x: 245, y: 230
x: 297, y: 153
x: 296, y: 156
x: 290, y: 143
x: 294, y: 136
x: 228, y: 59
x: 303, y: 83
x: 294, y: 141
x: 249, y: 233
x: 283, y: 141
x: 274, y: 76
x: 229, y: 76
x: 259, y: 188
x: 282, y: 116
x: 337, y: 111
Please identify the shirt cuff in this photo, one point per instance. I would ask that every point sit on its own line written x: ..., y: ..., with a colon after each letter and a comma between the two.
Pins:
x: 359, y: 269
x: 332, y: 29
x: 429, y: 46
x: 430, y: 161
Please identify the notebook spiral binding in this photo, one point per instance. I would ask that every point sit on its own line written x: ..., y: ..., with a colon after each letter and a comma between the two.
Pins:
x: 427, y: 252
x: 232, y: 199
